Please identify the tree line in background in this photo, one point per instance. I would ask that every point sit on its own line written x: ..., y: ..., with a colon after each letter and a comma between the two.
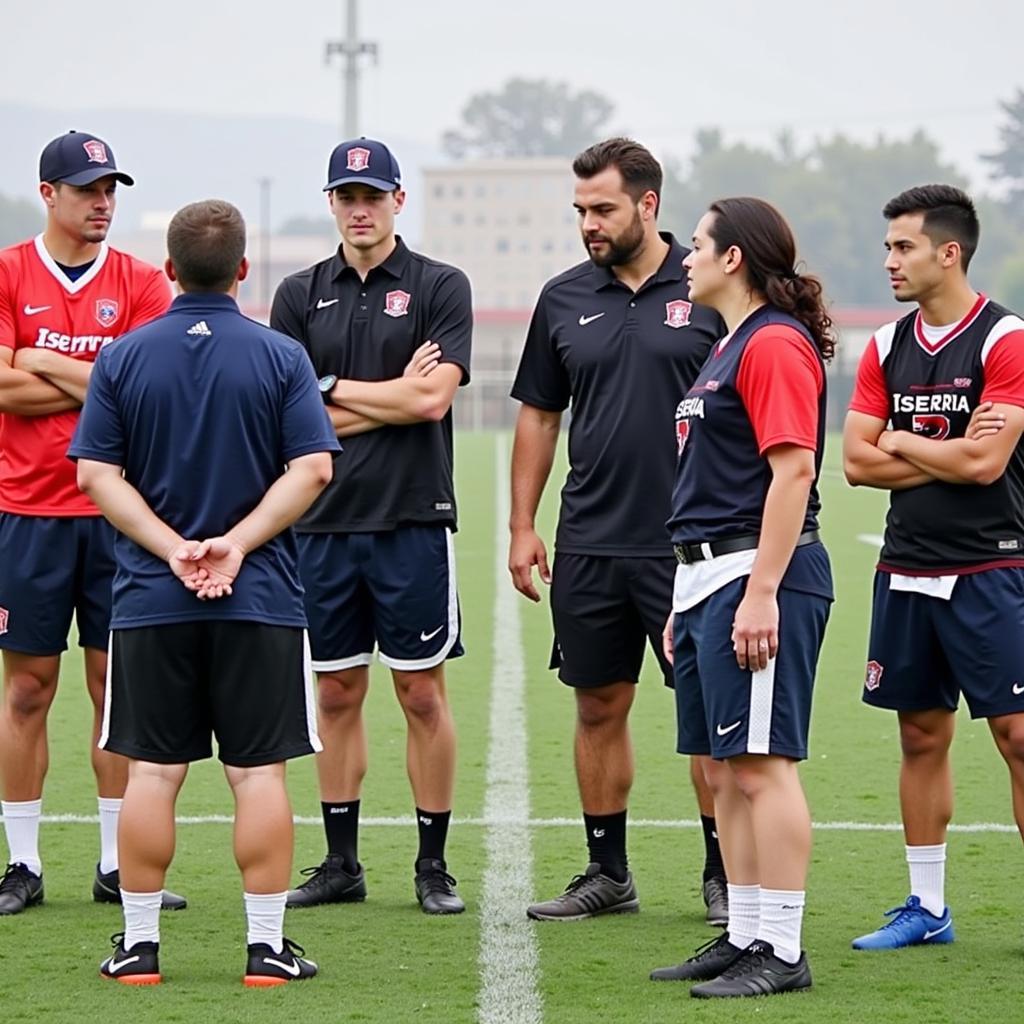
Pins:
x: 832, y: 191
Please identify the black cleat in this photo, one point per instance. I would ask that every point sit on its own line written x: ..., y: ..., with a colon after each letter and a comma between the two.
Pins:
x: 19, y: 889
x: 435, y: 889
x: 588, y: 895
x: 139, y: 965
x: 716, y: 899
x: 329, y: 882
x: 756, y: 972
x: 266, y: 968
x: 708, y: 962
x: 107, y: 889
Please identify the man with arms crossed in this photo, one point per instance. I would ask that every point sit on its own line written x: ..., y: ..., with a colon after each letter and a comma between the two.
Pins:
x: 618, y: 338
x: 64, y: 295
x: 948, y: 610
x: 389, y: 333
x: 183, y: 443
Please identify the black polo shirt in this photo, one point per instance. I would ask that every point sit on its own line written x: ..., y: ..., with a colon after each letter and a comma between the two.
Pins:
x: 623, y: 360
x: 368, y: 330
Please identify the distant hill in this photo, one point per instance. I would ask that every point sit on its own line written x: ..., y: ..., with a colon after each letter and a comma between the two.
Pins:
x: 177, y: 158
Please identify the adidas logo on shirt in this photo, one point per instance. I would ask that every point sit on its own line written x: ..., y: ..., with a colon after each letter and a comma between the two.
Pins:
x: 200, y: 330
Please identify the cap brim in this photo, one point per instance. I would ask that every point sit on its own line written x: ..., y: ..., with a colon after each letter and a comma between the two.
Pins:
x: 382, y: 184
x: 94, y: 174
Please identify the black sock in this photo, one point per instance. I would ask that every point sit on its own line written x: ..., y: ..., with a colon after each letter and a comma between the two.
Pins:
x: 341, y: 823
x: 433, y: 828
x: 606, y: 841
x: 713, y: 866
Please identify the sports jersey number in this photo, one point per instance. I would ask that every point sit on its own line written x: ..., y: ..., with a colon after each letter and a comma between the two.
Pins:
x: 682, y: 433
x: 934, y: 427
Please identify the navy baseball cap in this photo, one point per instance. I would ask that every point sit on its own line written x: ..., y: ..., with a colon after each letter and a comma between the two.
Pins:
x: 79, y: 159
x: 363, y: 161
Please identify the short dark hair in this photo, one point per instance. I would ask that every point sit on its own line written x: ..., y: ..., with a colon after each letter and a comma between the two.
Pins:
x: 206, y: 245
x: 640, y: 171
x: 949, y: 216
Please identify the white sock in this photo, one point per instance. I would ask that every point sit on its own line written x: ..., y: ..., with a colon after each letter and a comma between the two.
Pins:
x: 744, y: 914
x: 782, y: 916
x: 110, y: 811
x: 21, y: 823
x: 141, y: 917
x: 265, y: 915
x: 928, y: 876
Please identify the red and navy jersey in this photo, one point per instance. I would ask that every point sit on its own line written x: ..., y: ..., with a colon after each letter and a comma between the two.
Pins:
x: 932, y: 389
x: 40, y: 307
x: 763, y: 386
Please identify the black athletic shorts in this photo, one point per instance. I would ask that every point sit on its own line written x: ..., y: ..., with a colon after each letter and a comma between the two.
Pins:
x: 604, y: 610
x: 171, y: 687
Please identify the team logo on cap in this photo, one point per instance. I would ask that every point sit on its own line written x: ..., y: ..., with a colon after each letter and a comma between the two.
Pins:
x: 397, y: 303
x: 677, y: 313
x: 3, y: 620
x: 96, y: 151
x: 357, y: 159
x: 106, y: 312
x: 873, y: 676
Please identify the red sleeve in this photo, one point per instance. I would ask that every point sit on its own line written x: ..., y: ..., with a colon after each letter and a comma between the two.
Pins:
x: 1004, y: 371
x: 154, y: 298
x: 779, y: 380
x: 8, y: 335
x: 870, y: 393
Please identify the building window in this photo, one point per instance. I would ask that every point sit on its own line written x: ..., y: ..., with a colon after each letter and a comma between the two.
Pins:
x: 439, y: 191
x: 501, y: 245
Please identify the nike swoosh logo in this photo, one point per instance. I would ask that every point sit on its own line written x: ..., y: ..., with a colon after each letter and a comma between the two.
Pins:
x: 32, y: 310
x: 292, y: 968
x: 430, y: 636
x: 324, y: 303
x: 599, y: 833
x: 584, y: 320
x: 113, y: 966
x: 724, y: 730
x: 1018, y: 689
x: 938, y: 931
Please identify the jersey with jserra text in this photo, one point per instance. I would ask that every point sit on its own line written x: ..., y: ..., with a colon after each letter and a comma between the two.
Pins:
x: 41, y: 308
x: 931, y: 388
x: 762, y: 386
x: 621, y: 359
x: 368, y: 330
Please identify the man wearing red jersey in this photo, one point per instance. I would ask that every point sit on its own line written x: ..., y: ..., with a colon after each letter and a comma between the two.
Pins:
x: 63, y: 296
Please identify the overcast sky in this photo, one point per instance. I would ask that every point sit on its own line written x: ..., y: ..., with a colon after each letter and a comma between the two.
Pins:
x: 753, y: 67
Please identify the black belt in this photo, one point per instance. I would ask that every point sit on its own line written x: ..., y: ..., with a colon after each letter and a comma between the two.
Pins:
x: 689, y: 553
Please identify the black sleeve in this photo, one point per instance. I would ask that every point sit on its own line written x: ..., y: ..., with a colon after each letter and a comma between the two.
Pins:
x: 450, y: 324
x: 285, y: 311
x: 541, y: 379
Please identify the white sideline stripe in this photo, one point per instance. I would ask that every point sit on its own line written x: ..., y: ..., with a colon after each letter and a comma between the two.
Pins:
x: 876, y: 540
x: 502, y: 821
x: 509, y: 961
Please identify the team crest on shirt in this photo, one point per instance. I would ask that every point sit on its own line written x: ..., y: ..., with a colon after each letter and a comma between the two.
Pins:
x: 357, y: 159
x: 397, y: 303
x: 677, y: 313
x: 3, y: 620
x: 106, y: 312
x: 873, y: 676
x: 682, y: 433
x: 961, y: 382
x: 96, y: 151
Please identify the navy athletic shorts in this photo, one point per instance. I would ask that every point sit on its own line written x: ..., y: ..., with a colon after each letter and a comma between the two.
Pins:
x: 605, y: 609
x: 50, y: 569
x: 172, y: 686
x: 924, y: 651
x: 726, y: 711
x: 394, y: 589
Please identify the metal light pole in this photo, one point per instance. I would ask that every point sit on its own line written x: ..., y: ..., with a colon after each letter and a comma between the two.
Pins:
x: 351, y: 48
x: 265, y: 243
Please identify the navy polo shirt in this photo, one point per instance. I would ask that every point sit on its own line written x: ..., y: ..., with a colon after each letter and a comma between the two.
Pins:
x: 203, y: 408
x: 368, y: 330
x: 622, y: 359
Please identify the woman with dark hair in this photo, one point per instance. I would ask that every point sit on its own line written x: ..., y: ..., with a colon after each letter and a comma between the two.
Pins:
x: 753, y: 586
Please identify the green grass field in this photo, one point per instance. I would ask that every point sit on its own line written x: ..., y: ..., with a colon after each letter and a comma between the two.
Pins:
x: 385, y: 961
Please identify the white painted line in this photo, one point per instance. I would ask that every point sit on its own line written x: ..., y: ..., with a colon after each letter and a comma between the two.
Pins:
x: 874, y: 539
x: 500, y: 820
x: 509, y: 961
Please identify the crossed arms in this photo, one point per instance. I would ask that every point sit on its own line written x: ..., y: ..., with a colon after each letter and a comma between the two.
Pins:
x: 39, y: 382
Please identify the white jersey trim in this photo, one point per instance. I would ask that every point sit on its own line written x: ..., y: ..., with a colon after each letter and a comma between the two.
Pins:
x: 340, y: 664
x: 1007, y: 325
x: 72, y: 287
x: 883, y: 339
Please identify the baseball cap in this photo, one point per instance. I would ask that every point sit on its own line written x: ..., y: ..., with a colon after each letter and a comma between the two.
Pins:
x: 79, y: 159
x: 363, y: 161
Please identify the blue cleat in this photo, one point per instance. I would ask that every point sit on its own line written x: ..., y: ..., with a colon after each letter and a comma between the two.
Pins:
x: 911, y: 925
